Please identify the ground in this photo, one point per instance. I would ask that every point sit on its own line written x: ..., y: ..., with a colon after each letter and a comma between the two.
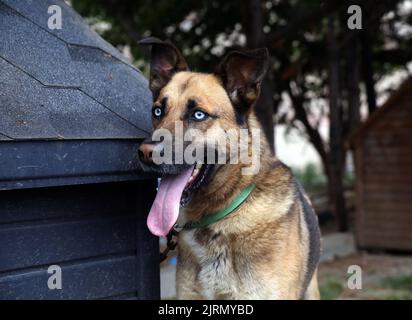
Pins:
x: 384, y: 276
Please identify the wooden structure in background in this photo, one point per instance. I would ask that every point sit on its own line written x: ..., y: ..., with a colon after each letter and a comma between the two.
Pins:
x: 383, y: 161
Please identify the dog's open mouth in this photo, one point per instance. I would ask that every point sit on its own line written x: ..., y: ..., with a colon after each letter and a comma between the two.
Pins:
x: 199, y: 176
x: 175, y: 190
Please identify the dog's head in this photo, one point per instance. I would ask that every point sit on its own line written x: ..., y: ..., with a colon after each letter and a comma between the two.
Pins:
x: 191, y: 113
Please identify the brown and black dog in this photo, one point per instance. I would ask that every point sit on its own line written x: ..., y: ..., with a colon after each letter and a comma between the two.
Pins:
x: 268, y: 247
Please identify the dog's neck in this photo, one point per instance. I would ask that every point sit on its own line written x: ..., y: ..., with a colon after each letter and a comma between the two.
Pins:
x: 229, y: 179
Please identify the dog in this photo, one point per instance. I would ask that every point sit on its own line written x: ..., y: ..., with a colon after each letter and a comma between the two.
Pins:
x: 243, y: 236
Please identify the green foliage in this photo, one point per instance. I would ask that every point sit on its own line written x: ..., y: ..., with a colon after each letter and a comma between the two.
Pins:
x: 349, y: 180
x: 399, y: 296
x: 191, y: 25
x: 399, y: 282
x: 400, y: 286
x: 331, y: 289
x: 312, y: 178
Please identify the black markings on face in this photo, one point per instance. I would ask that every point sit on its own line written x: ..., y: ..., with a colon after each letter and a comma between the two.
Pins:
x: 163, y: 103
x: 191, y: 104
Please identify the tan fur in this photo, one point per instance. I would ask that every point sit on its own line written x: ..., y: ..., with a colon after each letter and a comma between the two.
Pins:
x: 312, y: 292
x: 261, y: 250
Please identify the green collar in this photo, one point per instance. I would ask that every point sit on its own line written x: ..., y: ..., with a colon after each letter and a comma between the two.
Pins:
x: 219, y: 215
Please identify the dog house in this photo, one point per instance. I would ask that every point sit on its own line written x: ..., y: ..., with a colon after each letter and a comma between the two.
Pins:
x: 383, y: 159
x: 73, y: 203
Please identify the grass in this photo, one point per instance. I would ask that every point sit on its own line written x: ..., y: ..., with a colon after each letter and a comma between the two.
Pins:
x: 401, y: 282
x: 331, y: 289
x: 401, y: 286
x: 399, y: 296
x: 396, y: 287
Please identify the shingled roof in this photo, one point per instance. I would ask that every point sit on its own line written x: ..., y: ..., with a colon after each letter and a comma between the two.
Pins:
x: 67, y: 83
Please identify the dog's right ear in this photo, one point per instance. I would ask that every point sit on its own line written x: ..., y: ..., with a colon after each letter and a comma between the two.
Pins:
x: 241, y: 74
x: 165, y: 61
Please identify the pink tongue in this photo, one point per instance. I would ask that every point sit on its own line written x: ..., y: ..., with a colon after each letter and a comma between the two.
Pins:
x: 165, y: 208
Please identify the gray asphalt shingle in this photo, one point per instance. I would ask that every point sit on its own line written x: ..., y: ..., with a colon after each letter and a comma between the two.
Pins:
x: 51, y: 112
x: 74, y: 29
x: 65, y: 84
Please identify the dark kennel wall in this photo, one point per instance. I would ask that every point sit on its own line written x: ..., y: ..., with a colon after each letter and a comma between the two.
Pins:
x: 72, y: 112
x: 90, y: 220
x: 96, y: 233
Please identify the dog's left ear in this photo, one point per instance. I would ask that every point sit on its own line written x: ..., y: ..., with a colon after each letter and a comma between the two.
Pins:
x: 241, y: 73
x: 165, y: 61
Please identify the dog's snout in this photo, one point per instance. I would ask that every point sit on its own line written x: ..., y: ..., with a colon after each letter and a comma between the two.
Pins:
x: 146, y: 152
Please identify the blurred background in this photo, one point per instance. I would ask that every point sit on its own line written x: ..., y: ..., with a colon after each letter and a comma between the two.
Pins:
x: 336, y: 106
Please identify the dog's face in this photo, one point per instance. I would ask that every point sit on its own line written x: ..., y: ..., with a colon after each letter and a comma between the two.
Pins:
x: 202, y: 106
x: 197, y: 100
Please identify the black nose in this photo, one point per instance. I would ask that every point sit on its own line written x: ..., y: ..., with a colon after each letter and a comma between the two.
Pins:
x: 146, y: 152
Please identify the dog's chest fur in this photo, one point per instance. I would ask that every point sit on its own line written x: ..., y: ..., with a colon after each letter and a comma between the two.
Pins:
x: 223, y: 271
x: 215, y: 276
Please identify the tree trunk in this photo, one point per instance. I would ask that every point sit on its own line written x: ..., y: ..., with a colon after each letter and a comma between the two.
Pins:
x: 336, y: 150
x: 353, y: 78
x: 264, y: 106
x: 367, y: 71
x: 265, y: 111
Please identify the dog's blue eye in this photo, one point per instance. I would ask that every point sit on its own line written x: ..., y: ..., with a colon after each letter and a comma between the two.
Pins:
x: 157, y: 112
x: 199, y: 115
